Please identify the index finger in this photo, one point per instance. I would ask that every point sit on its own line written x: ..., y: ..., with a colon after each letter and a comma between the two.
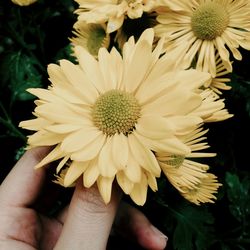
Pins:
x: 23, y: 183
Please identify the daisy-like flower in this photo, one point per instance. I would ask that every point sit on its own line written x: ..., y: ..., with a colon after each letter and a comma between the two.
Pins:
x: 23, y: 2
x: 108, y: 117
x: 114, y: 12
x: 201, y: 27
x: 218, y: 82
x: 189, y: 177
x: 90, y: 36
x: 204, y: 191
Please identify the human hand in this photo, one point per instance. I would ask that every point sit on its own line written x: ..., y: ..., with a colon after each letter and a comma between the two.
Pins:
x: 85, y: 224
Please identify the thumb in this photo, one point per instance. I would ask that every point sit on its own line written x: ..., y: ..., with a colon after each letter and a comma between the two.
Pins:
x: 89, y: 220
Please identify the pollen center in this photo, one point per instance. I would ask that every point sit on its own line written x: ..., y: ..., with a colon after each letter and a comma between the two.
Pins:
x: 209, y: 20
x: 116, y: 112
x: 175, y: 160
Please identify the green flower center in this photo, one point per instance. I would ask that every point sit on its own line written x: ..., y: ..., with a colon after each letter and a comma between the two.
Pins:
x: 175, y: 160
x: 116, y: 112
x: 209, y: 20
x: 96, y: 39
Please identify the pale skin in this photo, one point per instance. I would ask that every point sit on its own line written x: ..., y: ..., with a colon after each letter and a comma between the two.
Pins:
x: 85, y: 224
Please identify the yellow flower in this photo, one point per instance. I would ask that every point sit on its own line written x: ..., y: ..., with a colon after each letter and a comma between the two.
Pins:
x: 201, y: 27
x: 212, y: 107
x: 23, y: 2
x: 90, y: 36
x: 189, y: 177
x: 107, y: 117
x: 204, y: 191
x: 218, y: 82
x: 114, y: 12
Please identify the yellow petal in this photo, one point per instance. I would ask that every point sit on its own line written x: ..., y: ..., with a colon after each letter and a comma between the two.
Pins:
x: 90, y: 150
x: 136, y: 71
x: 34, y: 124
x: 75, y: 170
x: 44, y: 138
x: 143, y: 155
x: 79, y: 139
x: 54, y: 155
x: 133, y: 170
x: 91, y: 174
x: 120, y: 149
x: 80, y: 81
x: 154, y: 127
x: 139, y: 192
x: 105, y: 188
x: 125, y: 184
x: 90, y: 66
x: 63, y: 128
x: 61, y: 164
x: 106, y: 164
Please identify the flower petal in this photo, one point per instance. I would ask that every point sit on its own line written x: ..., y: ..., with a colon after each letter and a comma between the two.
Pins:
x: 144, y: 156
x: 106, y: 164
x: 120, y: 149
x: 76, y: 169
x: 90, y: 150
x: 79, y: 139
x: 139, y: 192
x: 105, y: 188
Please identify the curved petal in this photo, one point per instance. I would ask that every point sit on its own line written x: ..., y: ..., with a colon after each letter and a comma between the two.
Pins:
x: 125, y: 184
x: 154, y: 127
x: 106, y: 165
x: 91, y: 174
x: 90, y: 150
x: 120, y: 150
x: 105, y: 188
x: 76, y: 169
x: 79, y: 139
x: 144, y: 156
x: 139, y: 192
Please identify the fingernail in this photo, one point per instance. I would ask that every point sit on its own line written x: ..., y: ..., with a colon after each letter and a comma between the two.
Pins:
x: 158, y: 233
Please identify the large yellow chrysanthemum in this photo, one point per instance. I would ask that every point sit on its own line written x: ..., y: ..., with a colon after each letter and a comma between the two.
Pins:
x: 112, y: 11
x: 199, y: 28
x: 108, y: 117
x: 189, y: 177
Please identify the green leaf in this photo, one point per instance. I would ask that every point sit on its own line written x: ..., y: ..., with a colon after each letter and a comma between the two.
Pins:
x: 238, y: 192
x: 19, y: 73
x: 193, y: 229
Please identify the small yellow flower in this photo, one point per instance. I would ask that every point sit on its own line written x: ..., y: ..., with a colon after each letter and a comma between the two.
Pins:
x: 90, y: 36
x: 201, y: 27
x: 190, y: 177
x: 23, y: 2
x: 107, y: 118
x: 204, y: 191
x: 218, y: 82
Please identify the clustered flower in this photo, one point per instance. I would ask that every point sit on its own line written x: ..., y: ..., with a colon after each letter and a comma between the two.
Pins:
x: 148, y: 76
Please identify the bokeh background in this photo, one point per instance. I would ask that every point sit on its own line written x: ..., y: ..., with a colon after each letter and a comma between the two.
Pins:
x: 32, y: 37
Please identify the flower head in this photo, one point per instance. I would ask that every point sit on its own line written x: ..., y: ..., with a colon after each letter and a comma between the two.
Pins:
x: 23, y: 2
x: 90, y: 36
x: 108, y: 117
x: 200, y: 28
x: 114, y: 12
x: 188, y: 176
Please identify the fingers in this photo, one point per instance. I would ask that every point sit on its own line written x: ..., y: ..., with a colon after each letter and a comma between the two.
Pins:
x: 89, y: 220
x: 132, y: 223
x: 23, y: 183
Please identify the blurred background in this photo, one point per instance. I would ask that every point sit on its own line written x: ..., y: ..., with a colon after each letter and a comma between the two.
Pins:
x: 31, y: 37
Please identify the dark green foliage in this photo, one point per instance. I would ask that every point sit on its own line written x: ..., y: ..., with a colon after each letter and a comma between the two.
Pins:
x: 34, y: 36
